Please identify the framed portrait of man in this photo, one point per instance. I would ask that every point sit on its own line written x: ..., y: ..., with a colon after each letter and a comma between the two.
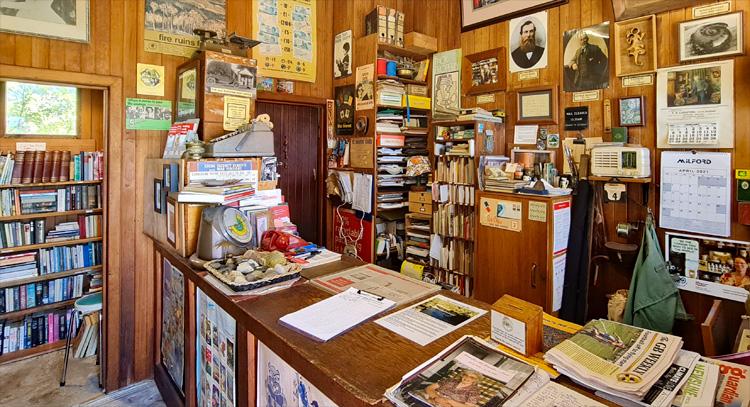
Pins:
x: 586, y: 58
x: 528, y: 42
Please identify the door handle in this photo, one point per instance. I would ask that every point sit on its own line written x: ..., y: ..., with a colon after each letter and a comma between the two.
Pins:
x: 315, y: 174
x: 533, y: 275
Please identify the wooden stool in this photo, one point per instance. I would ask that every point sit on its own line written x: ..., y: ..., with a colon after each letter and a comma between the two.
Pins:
x: 83, y: 306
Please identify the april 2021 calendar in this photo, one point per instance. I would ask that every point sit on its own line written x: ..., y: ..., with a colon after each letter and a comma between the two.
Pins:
x: 696, y: 192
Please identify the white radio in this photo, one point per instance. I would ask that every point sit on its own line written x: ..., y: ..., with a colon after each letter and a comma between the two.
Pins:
x: 620, y: 161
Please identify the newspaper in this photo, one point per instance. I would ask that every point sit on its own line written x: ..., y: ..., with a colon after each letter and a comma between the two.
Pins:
x: 469, y: 372
x: 734, y: 384
x: 554, y: 395
x: 666, y: 388
x: 700, y: 388
x: 616, y: 357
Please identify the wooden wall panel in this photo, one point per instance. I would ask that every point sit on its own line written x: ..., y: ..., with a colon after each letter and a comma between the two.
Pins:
x: 115, y: 48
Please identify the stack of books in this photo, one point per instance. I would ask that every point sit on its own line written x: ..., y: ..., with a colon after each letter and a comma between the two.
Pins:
x: 389, y: 92
x: 64, y: 258
x: 477, y: 113
x: 88, y: 337
x: 18, y: 266
x: 225, y: 194
x: 13, y: 234
x: 33, y: 167
x: 35, y: 330
x: 37, y: 201
x: 40, y: 293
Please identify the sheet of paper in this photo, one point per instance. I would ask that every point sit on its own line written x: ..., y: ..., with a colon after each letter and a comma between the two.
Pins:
x: 525, y: 134
x: 561, y: 216
x: 236, y: 112
x: 695, y: 194
x: 553, y: 394
x: 436, y: 245
x: 558, y: 281
x: 362, y: 192
x: 430, y: 319
x: 332, y: 316
x: 535, y: 382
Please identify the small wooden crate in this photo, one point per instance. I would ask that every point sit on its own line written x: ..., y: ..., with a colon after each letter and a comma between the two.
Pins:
x: 508, y: 312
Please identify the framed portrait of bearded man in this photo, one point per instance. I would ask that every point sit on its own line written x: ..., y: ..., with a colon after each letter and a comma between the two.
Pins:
x: 528, y: 42
x: 586, y: 58
x: 635, y: 46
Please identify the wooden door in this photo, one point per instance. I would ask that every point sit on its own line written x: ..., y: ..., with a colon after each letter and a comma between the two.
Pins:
x: 510, y: 262
x: 297, y: 135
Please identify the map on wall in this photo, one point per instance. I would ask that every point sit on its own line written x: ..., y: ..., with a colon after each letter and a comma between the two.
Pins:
x: 286, y: 30
x: 169, y: 24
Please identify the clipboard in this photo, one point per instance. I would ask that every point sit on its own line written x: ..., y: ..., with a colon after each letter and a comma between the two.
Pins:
x: 335, y: 315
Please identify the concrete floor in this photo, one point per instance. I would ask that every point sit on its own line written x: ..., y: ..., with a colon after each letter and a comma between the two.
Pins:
x: 36, y: 381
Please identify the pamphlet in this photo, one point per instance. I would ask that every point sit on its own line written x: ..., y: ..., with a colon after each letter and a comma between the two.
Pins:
x: 430, y: 319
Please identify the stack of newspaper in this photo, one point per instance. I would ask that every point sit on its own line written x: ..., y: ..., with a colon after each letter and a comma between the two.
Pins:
x: 625, y: 364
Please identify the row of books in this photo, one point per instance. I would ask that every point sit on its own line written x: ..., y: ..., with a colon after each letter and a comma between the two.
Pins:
x: 35, y: 330
x: 64, y: 258
x: 449, y: 280
x: 14, y: 234
x: 17, y: 266
x: 451, y: 220
x: 40, y: 293
x: 457, y: 194
x: 33, y: 167
x: 455, y: 170
x: 456, y: 256
x: 30, y: 201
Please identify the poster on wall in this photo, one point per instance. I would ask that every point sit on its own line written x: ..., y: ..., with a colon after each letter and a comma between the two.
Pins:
x: 150, y: 80
x: 169, y: 24
x: 173, y: 323
x: 148, y: 114
x: 695, y: 106
x: 708, y: 265
x: 215, y: 356
x: 342, y: 54
x: 365, y: 87
x: 586, y: 58
x: 446, y: 79
x: 344, y: 110
x: 280, y: 385
x: 528, y: 42
x: 500, y: 214
x: 286, y: 30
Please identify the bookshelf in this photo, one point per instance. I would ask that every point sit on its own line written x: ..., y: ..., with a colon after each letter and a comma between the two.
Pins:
x: 391, y: 203
x: 457, y: 146
x: 52, y: 239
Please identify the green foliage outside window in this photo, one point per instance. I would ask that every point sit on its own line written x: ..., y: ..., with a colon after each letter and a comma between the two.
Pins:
x: 33, y: 109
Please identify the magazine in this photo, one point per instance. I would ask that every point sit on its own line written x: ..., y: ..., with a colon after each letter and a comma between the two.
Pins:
x: 469, y: 371
x: 616, y: 357
x: 700, y: 388
x: 734, y: 384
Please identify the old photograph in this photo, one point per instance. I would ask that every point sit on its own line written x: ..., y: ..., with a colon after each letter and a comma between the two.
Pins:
x: 528, y: 42
x: 586, y: 58
x: 63, y: 19
x: 183, y: 16
x: 484, y: 72
x: 711, y: 37
x: 691, y: 87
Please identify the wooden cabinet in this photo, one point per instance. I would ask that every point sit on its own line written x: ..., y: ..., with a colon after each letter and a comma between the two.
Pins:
x: 521, y: 243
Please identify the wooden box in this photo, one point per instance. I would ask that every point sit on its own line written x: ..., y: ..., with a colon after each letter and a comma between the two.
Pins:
x: 419, y: 42
x: 420, y: 197
x: 517, y: 324
x: 416, y: 207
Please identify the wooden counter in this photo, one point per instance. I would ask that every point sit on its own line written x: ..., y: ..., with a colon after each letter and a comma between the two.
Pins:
x: 352, y: 369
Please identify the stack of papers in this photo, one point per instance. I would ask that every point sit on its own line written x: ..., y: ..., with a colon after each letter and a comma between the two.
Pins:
x: 390, y: 92
x: 198, y: 193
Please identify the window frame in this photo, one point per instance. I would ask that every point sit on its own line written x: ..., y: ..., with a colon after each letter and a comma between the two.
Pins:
x: 3, y: 118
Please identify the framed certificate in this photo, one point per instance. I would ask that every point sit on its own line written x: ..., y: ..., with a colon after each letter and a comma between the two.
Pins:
x: 537, y: 105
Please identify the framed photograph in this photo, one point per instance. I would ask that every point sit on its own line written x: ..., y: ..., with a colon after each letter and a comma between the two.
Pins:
x: 635, y: 46
x: 342, y: 54
x: 695, y: 105
x: 625, y: 9
x: 478, y: 13
x: 711, y: 37
x: 586, y: 58
x: 158, y: 208
x: 631, y: 111
x: 537, y: 105
x: 62, y: 20
x: 486, y: 70
x: 172, y: 221
x: 528, y: 42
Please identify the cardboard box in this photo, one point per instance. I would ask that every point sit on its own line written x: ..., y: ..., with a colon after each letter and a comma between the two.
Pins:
x: 416, y: 90
x: 417, y: 207
x: 420, y: 197
x: 416, y: 102
x: 421, y: 43
x: 517, y: 324
x: 376, y: 22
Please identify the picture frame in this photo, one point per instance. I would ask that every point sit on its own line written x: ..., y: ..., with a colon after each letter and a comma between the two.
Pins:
x: 158, y: 192
x: 484, y: 72
x: 631, y: 111
x: 710, y: 37
x: 586, y: 55
x: 68, y: 21
x: 626, y: 9
x: 479, y: 13
x: 537, y: 105
x: 171, y: 209
x: 635, y: 46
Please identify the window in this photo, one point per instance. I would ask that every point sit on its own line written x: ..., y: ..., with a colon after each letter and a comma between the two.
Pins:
x: 40, y: 110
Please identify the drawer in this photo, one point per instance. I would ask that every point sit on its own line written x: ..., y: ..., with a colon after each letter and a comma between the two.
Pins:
x: 420, y: 197
x: 418, y: 207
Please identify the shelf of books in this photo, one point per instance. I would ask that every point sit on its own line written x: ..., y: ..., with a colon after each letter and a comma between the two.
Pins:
x: 51, y: 245
x: 456, y: 150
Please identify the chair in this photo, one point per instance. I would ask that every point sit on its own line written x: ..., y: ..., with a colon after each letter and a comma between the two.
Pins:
x: 83, y: 306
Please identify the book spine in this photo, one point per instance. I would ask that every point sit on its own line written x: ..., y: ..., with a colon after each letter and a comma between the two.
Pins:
x: 27, y: 173
x: 65, y: 166
x: 18, y: 167
x: 56, y: 161
x: 47, y: 166
x: 38, y: 167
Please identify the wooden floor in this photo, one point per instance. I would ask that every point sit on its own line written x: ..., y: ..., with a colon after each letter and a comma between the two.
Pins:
x: 36, y: 382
